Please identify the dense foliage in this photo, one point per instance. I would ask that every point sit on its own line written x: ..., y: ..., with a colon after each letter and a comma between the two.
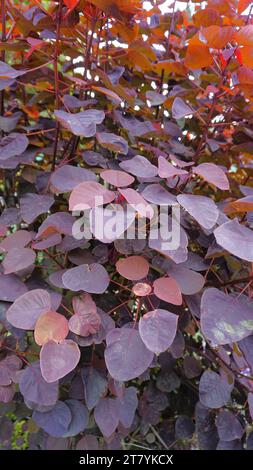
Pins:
x: 110, y: 342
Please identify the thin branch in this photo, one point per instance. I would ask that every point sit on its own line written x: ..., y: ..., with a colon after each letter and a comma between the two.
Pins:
x: 3, y: 39
x: 56, y: 78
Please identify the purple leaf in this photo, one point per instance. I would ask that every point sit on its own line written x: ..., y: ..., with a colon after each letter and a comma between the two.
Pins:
x: 180, y: 109
x: 67, y: 177
x: 32, y: 205
x: 56, y: 421
x: 139, y: 166
x: 88, y: 442
x: 228, y: 426
x: 108, y: 224
x: 189, y: 281
x: 127, y: 406
x: 236, y: 239
x: 95, y: 386
x: 58, y: 359
x: 7, y: 124
x: 156, y: 194
x: 59, y: 222
x: 155, y: 99
x: 26, y: 310
x: 79, y: 418
x: 158, y: 329
x: 12, y: 145
x: 214, y: 390
x: 83, y: 124
x: 106, y: 415
x: 91, y: 278
x: 213, y: 174
x: 126, y: 355
x: 201, y: 208
x: 250, y: 402
x: 112, y: 142
x: 18, y: 259
x: 17, y: 239
x: 7, y: 393
x: 6, y: 71
x: 35, y: 389
x: 224, y: 318
x: 167, y: 170
x: 11, y: 287
x: 94, y: 159
x: 85, y: 324
x: 8, y: 369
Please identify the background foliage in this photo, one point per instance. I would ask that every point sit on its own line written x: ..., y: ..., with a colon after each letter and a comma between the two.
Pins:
x: 119, y: 344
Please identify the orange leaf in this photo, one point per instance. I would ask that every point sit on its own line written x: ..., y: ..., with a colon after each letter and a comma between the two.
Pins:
x: 50, y: 326
x: 244, y: 204
x: 245, y: 75
x: 197, y: 55
x: 31, y: 111
x: 207, y: 17
x: 217, y: 37
x: 246, y: 56
x: 244, y: 36
x: 242, y: 5
x: 170, y: 66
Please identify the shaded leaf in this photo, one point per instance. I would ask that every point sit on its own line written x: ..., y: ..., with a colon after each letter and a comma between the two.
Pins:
x: 126, y: 356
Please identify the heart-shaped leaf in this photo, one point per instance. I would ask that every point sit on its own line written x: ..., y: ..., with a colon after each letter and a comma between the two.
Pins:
x: 106, y: 415
x: 12, y: 145
x: 18, y: 239
x: 213, y: 174
x: 35, y: 389
x: 167, y: 170
x: 201, y: 208
x: 133, y: 267
x: 214, y: 390
x: 180, y: 109
x: 83, y: 124
x: 55, y: 421
x: 158, y: 329
x: 168, y: 290
x: 26, y: 310
x: 67, y: 177
x: 139, y: 166
x: 58, y: 359
x: 18, y: 259
x: 89, y: 194
x: 50, y: 326
x: 126, y: 355
x: 92, y: 278
x: 112, y: 142
x: 32, y: 205
x: 85, y: 324
x: 236, y: 239
x: 224, y: 318
x: 117, y: 178
x: 11, y: 287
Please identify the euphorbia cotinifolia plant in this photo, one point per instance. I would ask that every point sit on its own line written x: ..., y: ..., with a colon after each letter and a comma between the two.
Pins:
x: 126, y: 243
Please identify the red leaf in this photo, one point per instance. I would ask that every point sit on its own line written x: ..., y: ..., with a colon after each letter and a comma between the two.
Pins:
x: 71, y: 3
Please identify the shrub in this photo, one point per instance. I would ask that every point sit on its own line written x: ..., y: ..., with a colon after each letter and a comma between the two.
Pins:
x: 116, y: 121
